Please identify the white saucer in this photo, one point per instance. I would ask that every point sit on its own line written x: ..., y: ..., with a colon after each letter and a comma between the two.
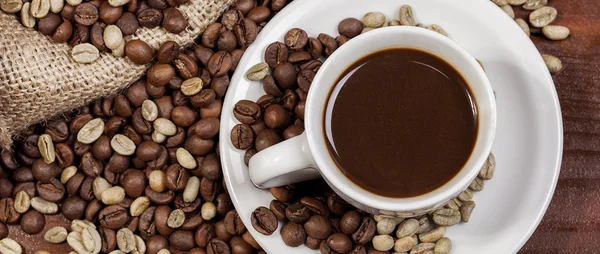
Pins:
x: 529, y: 139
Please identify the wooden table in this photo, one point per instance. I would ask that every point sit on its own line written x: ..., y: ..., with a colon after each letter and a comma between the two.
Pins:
x: 572, y: 222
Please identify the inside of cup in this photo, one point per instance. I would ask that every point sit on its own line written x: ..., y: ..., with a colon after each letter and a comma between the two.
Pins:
x: 400, y: 37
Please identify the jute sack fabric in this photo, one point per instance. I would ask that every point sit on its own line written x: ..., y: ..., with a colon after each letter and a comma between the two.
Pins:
x: 39, y: 79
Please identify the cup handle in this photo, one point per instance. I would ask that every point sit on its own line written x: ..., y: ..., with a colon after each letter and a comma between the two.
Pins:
x: 285, y: 163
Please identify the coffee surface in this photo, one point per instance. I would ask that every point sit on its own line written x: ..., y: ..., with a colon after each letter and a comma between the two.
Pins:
x: 400, y: 122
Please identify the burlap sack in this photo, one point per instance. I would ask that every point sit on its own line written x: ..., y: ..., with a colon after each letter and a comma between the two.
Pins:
x: 39, y: 80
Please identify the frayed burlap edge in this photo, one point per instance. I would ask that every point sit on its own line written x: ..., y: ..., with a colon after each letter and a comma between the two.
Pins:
x: 39, y: 80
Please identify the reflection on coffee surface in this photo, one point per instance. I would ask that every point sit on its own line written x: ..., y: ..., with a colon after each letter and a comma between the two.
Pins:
x: 401, y: 122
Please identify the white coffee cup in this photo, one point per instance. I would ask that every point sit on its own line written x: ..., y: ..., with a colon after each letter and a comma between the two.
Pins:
x: 306, y: 156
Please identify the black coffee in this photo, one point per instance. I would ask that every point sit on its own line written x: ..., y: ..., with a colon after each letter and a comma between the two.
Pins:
x: 401, y: 122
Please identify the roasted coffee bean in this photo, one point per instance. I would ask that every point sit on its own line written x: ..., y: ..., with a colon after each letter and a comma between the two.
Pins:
x: 108, y: 239
x: 63, y: 32
x: 109, y: 14
x: 128, y: 23
x: 264, y: 221
x: 101, y: 148
x: 350, y: 222
x: 278, y: 208
x: 208, y: 189
x: 174, y: 21
x: 161, y: 215
x: 259, y: 14
x: 224, y: 204
x: 86, y: 14
x: 299, y: 57
x: 150, y: 18
x: 212, y: 110
x: 53, y: 191
x: 247, y: 112
x: 216, y: 246
x: 337, y: 205
x: 183, y: 116
x: 168, y: 52
x: 288, y: 101
x: 350, y: 27
x: 156, y: 243
x: 296, y: 39
x: 293, y: 234
x: 270, y: 87
x: 186, y: 66
x: 92, y: 210
x: 365, y: 232
x: 292, y: 131
x: 97, y: 36
x: 8, y: 214
x: 219, y: 63
x: 316, y: 206
x: 136, y: 93
x: 266, y: 138
x: 275, y: 54
x: 231, y: 17
x: 182, y: 240
x: 246, y: 31
x: 90, y: 165
x: 30, y: 146
x: 73, y: 208
x: 44, y: 172
x: 219, y: 85
x: 297, y: 213
x: 113, y: 217
x: 204, y: 234
x: 211, y: 168
x: 160, y: 198
x: 8, y: 160
x: 177, y: 177
x: 242, y: 136
x: 33, y: 222
x: 285, y: 74
x: 236, y: 55
x: 318, y: 227
x: 234, y: 224
x: 22, y: 174
x: 139, y: 52
x: 6, y: 188
x: 211, y: 35
x: 329, y: 43
x: 49, y: 23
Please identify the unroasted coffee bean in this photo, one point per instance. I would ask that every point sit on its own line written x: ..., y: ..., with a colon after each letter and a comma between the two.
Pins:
x: 257, y: 72
x: 554, y: 65
x: 150, y: 18
x: 365, y: 232
x: 350, y: 27
x: 39, y: 8
x: 10, y: 246
x: 443, y: 246
x: 374, y: 19
x: 556, y: 32
x: 534, y: 4
x: 296, y: 39
x: 242, y: 136
x: 406, y: 16
x: 275, y: 54
x: 56, y: 235
x: 489, y: 167
x: 11, y: 6
x: 543, y: 16
x: 174, y: 21
x: 264, y: 221
x: 446, y: 217
x: 245, y: 31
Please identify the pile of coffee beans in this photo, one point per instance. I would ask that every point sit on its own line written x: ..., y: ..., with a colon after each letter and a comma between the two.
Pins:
x: 312, y: 213
x: 138, y: 172
x: 540, y: 20
x: 98, y: 25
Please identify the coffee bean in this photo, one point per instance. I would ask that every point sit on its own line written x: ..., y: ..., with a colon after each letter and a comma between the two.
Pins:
x: 556, y: 32
x: 446, y: 217
x: 39, y: 8
x: 122, y: 145
x: 342, y: 244
x: 489, y: 167
x: 257, y: 72
x: 285, y: 75
x: 212, y: 110
x: 109, y: 14
x: 63, y: 32
x: 173, y: 21
x: 293, y: 234
x: 443, y: 246
x: 365, y: 232
x: 297, y: 213
x: 139, y: 52
x: 246, y: 31
x: 43, y: 206
x: 53, y: 191
x: 56, y: 235
x: 8, y: 214
x: 216, y: 246
x: 259, y: 14
x: 150, y: 18
x: 211, y: 35
x: 374, y: 19
x: 242, y: 136
x: 27, y: 19
x: 86, y: 14
x: 264, y: 221
x: 350, y: 27
x: 423, y: 248
x: 531, y: 5
x: 97, y: 36
x: 406, y: 16
x: 49, y: 23
x: 11, y: 6
x: 113, y: 217
x: 234, y: 224
x: 247, y: 111
x: 276, y: 53
x: 299, y: 57
x: 168, y: 52
x: 128, y: 23
x: 329, y: 43
x: 219, y: 63
x: 10, y: 246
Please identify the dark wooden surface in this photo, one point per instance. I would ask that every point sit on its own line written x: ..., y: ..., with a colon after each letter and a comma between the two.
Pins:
x: 572, y: 222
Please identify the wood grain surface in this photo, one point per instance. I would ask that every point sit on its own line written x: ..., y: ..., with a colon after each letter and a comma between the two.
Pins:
x: 572, y: 222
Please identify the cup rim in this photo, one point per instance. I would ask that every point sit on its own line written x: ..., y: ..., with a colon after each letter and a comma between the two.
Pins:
x: 327, y: 166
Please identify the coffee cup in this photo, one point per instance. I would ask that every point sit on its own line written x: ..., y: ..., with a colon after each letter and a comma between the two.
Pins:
x: 307, y: 157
